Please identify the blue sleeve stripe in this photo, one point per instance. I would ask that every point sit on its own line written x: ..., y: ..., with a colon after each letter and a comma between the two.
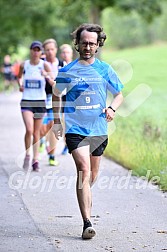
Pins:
x: 67, y: 67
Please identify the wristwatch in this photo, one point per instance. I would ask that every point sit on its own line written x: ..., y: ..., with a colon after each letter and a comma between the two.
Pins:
x: 112, y: 108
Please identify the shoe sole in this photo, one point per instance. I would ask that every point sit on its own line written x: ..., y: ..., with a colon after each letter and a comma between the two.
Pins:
x: 88, y: 233
x: 56, y: 164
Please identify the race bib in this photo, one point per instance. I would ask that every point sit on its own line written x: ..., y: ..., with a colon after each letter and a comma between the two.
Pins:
x: 87, y: 100
x: 35, y: 84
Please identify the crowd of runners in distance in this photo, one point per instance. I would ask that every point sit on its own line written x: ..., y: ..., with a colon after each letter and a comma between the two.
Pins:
x: 35, y: 77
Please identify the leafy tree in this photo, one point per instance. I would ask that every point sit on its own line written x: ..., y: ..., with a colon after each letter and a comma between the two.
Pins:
x: 148, y: 9
x: 25, y: 20
x: 129, y: 29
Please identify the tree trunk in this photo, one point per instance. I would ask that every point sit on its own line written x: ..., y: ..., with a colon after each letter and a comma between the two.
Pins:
x: 94, y: 15
x: 94, y: 18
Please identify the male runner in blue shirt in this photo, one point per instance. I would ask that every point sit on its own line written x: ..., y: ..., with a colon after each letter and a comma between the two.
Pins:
x: 87, y: 81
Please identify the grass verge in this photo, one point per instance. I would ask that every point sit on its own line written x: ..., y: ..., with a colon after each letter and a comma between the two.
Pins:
x: 139, y: 141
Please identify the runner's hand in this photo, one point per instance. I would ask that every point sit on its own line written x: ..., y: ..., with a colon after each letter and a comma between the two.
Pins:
x: 110, y: 114
x: 57, y: 129
x: 21, y: 88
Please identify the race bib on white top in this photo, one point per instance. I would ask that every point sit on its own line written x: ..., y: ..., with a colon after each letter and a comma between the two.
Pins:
x: 32, y: 84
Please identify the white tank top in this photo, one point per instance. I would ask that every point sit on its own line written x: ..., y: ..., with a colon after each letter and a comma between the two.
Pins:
x: 34, y: 83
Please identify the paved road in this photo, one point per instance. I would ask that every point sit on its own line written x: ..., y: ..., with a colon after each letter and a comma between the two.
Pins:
x: 39, y: 212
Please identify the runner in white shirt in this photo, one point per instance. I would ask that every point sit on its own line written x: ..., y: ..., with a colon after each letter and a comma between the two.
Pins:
x: 50, y: 49
x: 33, y: 108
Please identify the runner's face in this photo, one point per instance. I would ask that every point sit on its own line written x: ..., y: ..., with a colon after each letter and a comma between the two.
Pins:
x: 50, y: 51
x: 66, y: 54
x: 88, y: 45
x: 36, y: 53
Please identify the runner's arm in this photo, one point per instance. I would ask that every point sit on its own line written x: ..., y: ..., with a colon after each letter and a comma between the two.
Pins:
x: 19, y: 78
x: 56, y: 105
x: 47, y: 73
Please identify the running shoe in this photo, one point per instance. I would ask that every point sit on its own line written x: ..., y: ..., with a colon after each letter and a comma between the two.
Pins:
x: 53, y: 161
x: 88, y: 231
x: 26, y: 162
x: 35, y: 166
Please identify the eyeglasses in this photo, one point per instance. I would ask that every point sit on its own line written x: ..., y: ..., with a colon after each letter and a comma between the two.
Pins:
x: 85, y: 44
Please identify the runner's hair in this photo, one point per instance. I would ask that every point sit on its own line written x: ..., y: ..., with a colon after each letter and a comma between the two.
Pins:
x: 91, y: 28
x: 51, y: 40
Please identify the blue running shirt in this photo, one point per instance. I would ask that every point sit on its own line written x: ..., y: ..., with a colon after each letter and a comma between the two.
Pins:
x: 87, y: 87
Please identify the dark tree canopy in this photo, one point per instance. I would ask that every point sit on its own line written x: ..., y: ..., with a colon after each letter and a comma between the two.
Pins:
x: 25, y: 20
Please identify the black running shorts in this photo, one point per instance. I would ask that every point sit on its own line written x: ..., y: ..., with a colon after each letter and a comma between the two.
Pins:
x: 38, y: 108
x: 97, y: 143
